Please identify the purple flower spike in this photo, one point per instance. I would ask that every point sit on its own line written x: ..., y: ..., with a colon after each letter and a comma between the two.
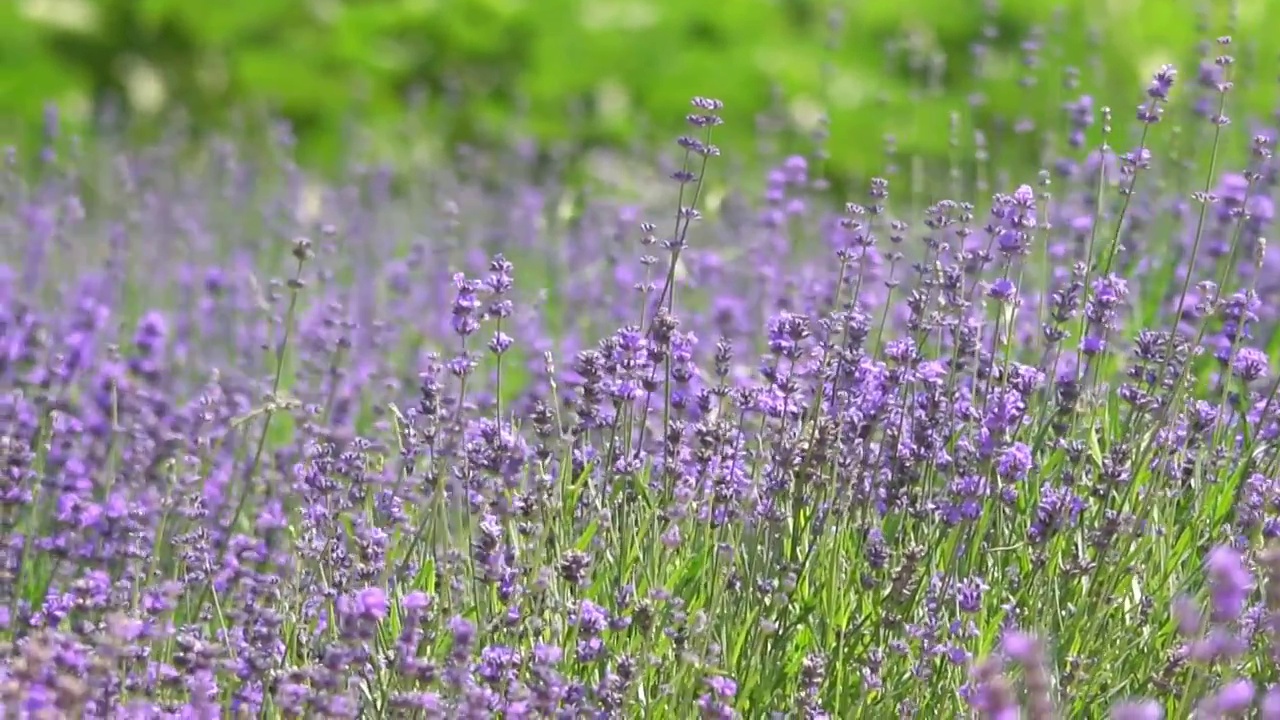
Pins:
x: 1230, y: 584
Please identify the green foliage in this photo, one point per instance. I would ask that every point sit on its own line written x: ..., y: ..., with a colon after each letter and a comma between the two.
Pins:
x: 594, y: 72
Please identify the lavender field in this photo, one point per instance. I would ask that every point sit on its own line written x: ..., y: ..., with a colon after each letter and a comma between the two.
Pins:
x: 466, y: 444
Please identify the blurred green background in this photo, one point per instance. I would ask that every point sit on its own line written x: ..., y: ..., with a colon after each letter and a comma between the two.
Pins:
x: 422, y: 75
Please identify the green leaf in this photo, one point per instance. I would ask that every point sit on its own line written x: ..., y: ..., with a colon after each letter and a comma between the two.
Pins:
x: 588, y: 534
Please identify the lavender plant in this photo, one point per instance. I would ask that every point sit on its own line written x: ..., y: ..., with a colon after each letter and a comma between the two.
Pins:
x: 471, y: 446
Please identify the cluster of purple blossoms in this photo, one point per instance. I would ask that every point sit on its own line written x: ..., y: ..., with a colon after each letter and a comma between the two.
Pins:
x: 271, y: 446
